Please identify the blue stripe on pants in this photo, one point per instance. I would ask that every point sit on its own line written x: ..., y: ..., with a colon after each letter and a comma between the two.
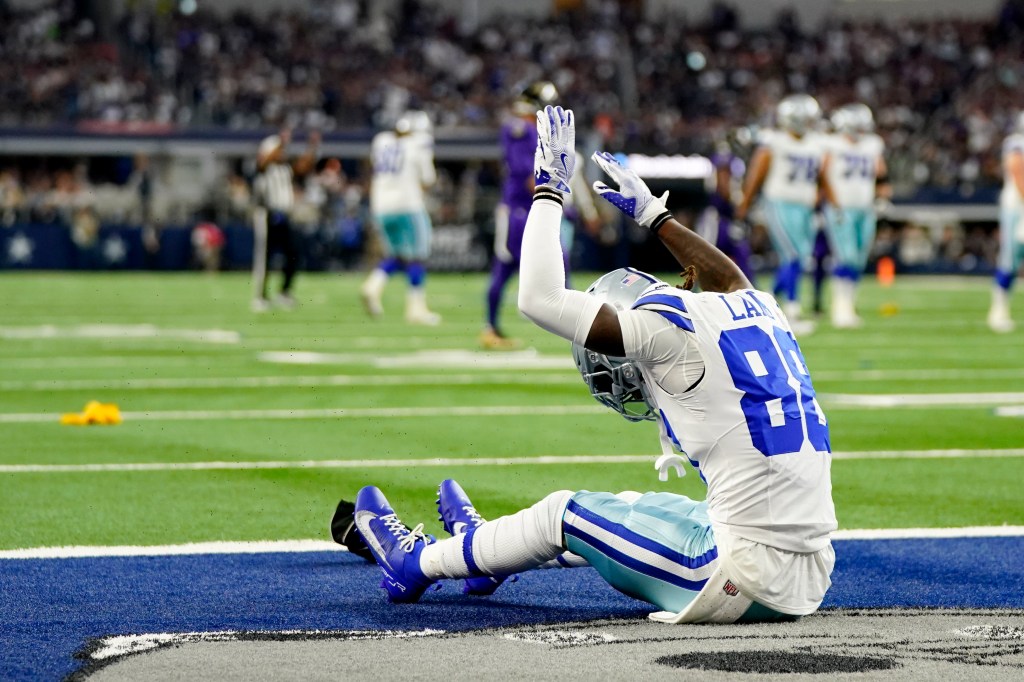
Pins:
x: 659, y: 548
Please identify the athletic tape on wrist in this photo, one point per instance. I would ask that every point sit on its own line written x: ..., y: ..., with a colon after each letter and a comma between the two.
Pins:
x: 660, y: 221
x: 549, y: 194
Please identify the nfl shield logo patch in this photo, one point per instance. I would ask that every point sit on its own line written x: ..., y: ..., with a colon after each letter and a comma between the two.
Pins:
x: 730, y: 589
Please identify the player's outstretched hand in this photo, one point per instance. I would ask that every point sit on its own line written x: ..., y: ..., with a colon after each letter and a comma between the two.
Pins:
x: 633, y: 197
x: 555, y: 158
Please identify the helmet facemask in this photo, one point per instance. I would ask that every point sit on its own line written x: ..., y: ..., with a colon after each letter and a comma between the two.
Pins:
x: 617, y: 382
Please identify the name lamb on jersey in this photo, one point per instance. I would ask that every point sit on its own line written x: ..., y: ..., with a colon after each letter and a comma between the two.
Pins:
x: 668, y: 302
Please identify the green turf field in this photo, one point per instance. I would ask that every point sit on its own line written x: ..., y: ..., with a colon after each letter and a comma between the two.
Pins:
x: 194, y: 372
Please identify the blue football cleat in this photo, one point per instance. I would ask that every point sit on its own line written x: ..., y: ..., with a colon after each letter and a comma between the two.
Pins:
x: 458, y: 516
x: 395, y: 547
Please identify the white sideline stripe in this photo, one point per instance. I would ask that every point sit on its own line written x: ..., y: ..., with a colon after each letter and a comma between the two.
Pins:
x: 1010, y: 411
x: 295, y: 546
x: 926, y: 533
x: 93, y: 361
x: 833, y: 400
x: 447, y: 379
x: 279, y: 381
x: 327, y: 413
x: 257, y: 547
x: 841, y: 400
x: 324, y: 464
x: 122, y: 645
x: 450, y: 462
x: 440, y: 358
x: 119, y: 331
x: 916, y: 374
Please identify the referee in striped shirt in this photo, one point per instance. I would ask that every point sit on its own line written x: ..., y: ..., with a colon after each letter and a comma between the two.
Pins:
x: 275, y: 198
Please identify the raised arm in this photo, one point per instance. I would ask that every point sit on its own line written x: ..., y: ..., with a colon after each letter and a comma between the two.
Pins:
x: 543, y: 298
x: 824, y: 186
x: 759, y: 166
x: 307, y: 162
x: 883, y: 186
x: 714, y: 270
x: 1015, y: 169
x: 274, y: 149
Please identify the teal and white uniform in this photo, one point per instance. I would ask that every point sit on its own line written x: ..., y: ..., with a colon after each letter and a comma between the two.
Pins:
x: 790, y: 191
x: 1011, y: 216
x: 850, y: 226
x: 402, y: 166
x: 734, y: 394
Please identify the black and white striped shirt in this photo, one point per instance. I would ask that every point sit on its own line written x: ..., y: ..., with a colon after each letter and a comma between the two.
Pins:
x: 274, y: 187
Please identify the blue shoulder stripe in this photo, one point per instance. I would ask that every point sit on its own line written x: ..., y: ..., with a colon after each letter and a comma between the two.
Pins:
x: 669, y: 307
x: 642, y: 274
x: 664, y: 299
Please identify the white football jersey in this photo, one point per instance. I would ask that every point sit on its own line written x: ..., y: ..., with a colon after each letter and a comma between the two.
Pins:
x: 1010, y: 198
x: 402, y: 166
x: 751, y: 426
x: 853, y: 169
x: 795, y: 167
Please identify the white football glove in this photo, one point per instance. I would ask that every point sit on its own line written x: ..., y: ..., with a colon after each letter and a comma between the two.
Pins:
x: 555, y: 159
x: 633, y: 197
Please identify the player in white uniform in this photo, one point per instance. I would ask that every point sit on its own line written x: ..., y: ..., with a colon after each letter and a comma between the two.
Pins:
x: 1011, y: 229
x: 721, y: 373
x: 787, y: 170
x: 403, y: 166
x: 857, y: 175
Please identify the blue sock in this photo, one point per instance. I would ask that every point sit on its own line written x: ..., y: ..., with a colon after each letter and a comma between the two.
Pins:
x: 793, y: 280
x: 416, y: 272
x: 781, y: 280
x: 1004, y: 280
x: 846, y: 272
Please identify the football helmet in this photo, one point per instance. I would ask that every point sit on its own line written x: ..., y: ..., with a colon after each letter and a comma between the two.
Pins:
x: 853, y: 119
x: 536, y: 95
x: 413, y: 122
x: 798, y: 114
x: 617, y: 382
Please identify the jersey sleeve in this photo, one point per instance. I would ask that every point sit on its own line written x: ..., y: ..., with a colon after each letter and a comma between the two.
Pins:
x: 428, y: 175
x: 766, y: 138
x: 672, y: 356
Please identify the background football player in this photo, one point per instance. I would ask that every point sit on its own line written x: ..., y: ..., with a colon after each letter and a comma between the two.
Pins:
x: 788, y: 167
x: 717, y: 223
x: 403, y: 167
x: 857, y: 174
x: 723, y: 376
x: 1011, y: 229
x: 518, y: 144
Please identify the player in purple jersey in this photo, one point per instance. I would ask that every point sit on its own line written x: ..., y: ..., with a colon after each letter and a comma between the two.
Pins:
x: 518, y: 146
x: 717, y: 224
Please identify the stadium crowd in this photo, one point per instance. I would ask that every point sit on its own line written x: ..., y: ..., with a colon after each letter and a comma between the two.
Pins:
x: 943, y: 91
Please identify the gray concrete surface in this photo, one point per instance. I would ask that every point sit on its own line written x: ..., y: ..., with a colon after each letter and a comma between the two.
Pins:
x: 863, y: 646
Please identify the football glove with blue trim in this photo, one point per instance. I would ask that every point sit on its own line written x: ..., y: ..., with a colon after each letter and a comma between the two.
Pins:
x: 633, y: 197
x: 555, y: 159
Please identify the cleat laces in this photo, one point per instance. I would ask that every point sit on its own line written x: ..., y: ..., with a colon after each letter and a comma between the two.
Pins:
x: 474, y: 515
x: 406, y: 538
